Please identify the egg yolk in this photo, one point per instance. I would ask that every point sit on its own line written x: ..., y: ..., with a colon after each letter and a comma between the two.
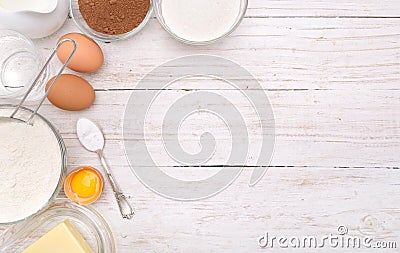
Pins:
x: 85, y: 183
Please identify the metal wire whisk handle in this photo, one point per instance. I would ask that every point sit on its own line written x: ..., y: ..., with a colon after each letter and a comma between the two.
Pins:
x: 59, y: 44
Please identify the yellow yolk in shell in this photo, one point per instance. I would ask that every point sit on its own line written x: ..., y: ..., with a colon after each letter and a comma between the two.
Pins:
x: 85, y: 183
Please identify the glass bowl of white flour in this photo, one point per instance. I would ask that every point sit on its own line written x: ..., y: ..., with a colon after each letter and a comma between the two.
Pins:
x: 200, y: 22
x: 32, y: 165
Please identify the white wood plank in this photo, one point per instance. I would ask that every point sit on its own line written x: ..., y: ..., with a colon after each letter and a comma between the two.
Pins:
x: 326, y: 8
x: 282, y: 53
x: 313, y: 128
x: 291, y: 202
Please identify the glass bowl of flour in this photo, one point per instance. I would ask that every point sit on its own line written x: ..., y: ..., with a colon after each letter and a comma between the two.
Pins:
x: 200, y: 22
x: 32, y: 165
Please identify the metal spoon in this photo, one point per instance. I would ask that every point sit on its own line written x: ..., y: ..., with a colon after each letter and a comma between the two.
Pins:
x: 92, y: 139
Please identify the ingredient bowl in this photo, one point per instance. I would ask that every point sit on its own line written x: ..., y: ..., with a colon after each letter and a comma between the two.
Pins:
x: 20, y: 62
x: 33, y: 202
x: 200, y: 22
x: 87, y: 30
x: 87, y: 221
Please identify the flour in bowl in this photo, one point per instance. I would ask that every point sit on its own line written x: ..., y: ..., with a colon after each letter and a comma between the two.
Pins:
x: 30, y: 167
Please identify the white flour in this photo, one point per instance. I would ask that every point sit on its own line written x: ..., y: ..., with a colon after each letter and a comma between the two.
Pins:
x: 30, y: 167
x: 200, y: 20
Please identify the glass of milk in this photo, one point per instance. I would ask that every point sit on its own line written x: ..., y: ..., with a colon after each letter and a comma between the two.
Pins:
x: 200, y: 22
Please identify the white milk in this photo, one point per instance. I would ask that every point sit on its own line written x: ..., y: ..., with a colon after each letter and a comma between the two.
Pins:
x: 17, y: 5
x: 200, y: 20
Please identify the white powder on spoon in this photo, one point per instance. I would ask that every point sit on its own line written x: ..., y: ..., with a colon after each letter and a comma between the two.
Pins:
x: 200, y: 20
x: 30, y: 167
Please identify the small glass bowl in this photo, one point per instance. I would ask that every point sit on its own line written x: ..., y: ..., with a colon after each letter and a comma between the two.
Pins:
x: 157, y: 4
x: 90, y: 224
x: 20, y: 63
x: 24, y: 113
x: 83, y: 26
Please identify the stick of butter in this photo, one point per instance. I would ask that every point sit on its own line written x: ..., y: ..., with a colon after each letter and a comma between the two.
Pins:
x: 63, y: 238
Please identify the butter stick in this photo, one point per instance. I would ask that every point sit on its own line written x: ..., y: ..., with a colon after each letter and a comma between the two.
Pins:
x: 63, y: 238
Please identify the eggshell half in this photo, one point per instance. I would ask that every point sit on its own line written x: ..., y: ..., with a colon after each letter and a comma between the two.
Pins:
x: 88, y: 56
x: 71, y: 93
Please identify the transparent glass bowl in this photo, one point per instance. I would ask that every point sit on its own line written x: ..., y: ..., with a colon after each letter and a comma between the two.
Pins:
x: 83, y: 26
x: 91, y: 225
x: 158, y: 9
x: 24, y: 113
x: 20, y: 62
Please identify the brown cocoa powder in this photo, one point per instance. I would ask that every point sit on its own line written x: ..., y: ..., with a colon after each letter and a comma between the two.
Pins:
x: 113, y: 16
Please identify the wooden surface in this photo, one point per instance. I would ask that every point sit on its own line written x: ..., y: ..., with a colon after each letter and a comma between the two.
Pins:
x: 331, y: 70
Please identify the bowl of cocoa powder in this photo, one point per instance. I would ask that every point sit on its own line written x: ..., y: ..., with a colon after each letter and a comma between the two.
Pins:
x: 111, y: 20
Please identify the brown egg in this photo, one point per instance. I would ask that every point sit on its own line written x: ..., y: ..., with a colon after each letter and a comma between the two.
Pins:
x: 88, y: 56
x: 71, y: 93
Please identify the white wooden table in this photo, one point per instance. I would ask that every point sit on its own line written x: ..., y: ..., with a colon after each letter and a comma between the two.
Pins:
x: 331, y: 69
